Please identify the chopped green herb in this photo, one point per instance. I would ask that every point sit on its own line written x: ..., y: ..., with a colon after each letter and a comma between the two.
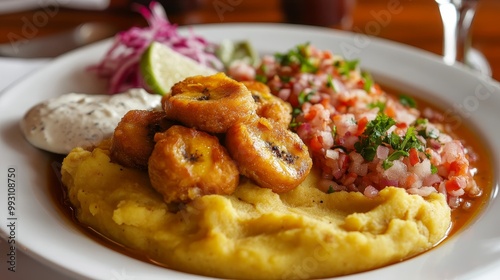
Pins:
x: 434, y: 169
x: 300, y: 55
x: 334, y: 131
x: 434, y: 134
x: 346, y: 66
x: 304, y: 97
x: 397, y: 155
x: 409, y: 141
x: 330, y: 189
x: 403, y: 145
x: 368, y: 80
x: 407, y: 101
x: 387, y: 164
x: 261, y: 78
x: 329, y: 83
x: 373, y: 136
x: 296, y: 111
x: 421, y: 121
x: 377, y: 104
x: 293, y: 125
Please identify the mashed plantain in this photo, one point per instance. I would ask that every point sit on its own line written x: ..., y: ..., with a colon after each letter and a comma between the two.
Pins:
x: 254, y: 233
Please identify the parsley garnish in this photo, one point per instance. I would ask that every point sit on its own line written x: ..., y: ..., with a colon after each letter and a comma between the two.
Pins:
x: 261, y: 78
x: 402, y: 146
x: 334, y: 131
x: 434, y: 169
x: 330, y: 189
x: 295, y: 112
x: 423, y: 131
x: 367, y: 78
x: 377, y: 104
x: 298, y: 56
x: 304, y: 97
x: 407, y: 101
x: 421, y: 121
x: 373, y: 136
x: 346, y: 66
x: 329, y: 83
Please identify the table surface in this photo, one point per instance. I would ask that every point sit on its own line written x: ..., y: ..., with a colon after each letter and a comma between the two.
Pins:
x: 417, y: 23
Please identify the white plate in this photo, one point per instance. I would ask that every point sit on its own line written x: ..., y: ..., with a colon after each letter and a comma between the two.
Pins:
x: 43, y: 233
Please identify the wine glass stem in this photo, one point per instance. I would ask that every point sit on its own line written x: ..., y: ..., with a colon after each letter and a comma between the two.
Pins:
x: 457, y: 20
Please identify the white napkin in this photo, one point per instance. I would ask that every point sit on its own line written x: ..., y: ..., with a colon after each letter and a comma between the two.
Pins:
x: 10, y: 6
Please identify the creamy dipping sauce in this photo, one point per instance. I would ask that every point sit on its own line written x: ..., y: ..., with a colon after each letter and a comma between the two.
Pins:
x: 81, y: 120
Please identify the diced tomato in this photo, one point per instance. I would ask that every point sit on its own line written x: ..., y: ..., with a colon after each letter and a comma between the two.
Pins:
x: 293, y: 100
x: 348, y: 102
x: 414, y: 159
x: 410, y: 180
x: 344, y: 160
x: 452, y: 185
x: 315, y: 144
x: 310, y: 115
x: 349, y: 178
x: 401, y: 125
x: 341, y: 108
x: 377, y: 89
x: 361, y: 126
x: 458, y: 168
x: 325, y: 102
x: 390, y: 111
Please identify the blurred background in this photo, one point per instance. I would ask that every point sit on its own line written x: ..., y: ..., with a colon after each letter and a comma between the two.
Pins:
x: 416, y: 23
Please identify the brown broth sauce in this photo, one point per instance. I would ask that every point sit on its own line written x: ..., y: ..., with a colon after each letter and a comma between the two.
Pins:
x: 461, y: 217
x: 60, y: 198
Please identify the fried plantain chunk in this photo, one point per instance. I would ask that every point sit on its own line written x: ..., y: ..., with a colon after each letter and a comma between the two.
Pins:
x: 133, y: 138
x: 187, y: 163
x: 268, y: 105
x: 209, y: 103
x: 271, y: 155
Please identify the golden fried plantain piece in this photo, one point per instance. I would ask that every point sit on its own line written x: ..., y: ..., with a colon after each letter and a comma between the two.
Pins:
x: 133, y: 138
x: 209, y: 103
x: 268, y: 105
x: 187, y: 163
x: 271, y: 155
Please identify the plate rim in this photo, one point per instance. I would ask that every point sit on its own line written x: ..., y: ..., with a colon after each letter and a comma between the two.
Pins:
x: 433, y: 58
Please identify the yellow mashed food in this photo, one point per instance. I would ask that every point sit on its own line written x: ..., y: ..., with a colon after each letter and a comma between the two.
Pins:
x: 254, y: 233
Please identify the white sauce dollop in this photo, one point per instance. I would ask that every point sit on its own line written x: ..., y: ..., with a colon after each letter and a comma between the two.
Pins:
x: 81, y: 120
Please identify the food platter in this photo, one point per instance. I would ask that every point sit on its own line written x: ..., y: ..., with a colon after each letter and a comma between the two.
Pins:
x: 44, y: 233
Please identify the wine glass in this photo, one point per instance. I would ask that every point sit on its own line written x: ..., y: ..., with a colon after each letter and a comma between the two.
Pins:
x: 457, y: 17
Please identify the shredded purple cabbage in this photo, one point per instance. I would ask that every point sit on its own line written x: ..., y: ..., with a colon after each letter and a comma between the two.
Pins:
x: 121, y: 63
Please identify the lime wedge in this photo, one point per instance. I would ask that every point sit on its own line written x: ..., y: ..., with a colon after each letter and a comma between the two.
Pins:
x: 230, y: 51
x: 161, y: 67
